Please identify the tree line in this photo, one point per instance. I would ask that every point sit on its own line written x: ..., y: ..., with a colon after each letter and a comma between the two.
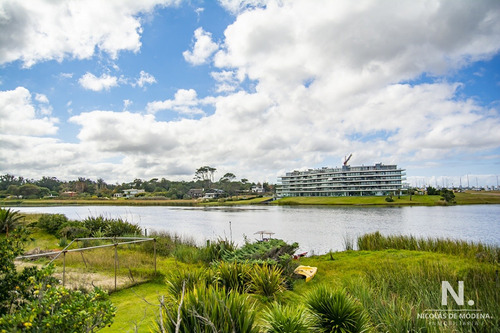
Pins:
x: 204, y: 179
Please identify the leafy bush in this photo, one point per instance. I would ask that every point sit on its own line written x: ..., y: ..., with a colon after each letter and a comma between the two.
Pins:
x: 118, y: 228
x: 335, y: 311
x: 209, y: 309
x: 32, y: 301
x: 72, y: 232
x: 270, y: 251
x: 389, y: 199
x: 93, y: 224
x: 51, y: 223
x: 286, y: 319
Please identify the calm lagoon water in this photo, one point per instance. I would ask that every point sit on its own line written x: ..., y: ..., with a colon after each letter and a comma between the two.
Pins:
x: 317, y: 229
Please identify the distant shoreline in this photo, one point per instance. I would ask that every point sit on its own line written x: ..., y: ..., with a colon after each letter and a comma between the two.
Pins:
x: 465, y: 198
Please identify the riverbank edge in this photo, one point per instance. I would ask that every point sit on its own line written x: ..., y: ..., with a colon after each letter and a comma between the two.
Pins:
x: 479, y: 198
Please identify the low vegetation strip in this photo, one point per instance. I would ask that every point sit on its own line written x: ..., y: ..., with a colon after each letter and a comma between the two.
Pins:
x: 388, y: 285
x: 376, y: 241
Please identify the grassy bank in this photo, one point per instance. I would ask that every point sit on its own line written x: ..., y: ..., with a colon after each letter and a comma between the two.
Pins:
x: 393, y: 280
x: 465, y: 198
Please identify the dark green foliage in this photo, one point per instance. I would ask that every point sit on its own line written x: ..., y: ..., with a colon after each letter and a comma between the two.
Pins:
x: 286, y: 319
x: 233, y: 275
x: 118, y: 227
x: 389, y: 199
x: 210, y: 309
x: 335, y: 311
x: 187, y: 279
x: 72, y: 232
x: 267, y: 280
x: 52, y: 223
x: 216, y: 250
x: 32, y: 301
x: 9, y: 220
x: 59, y: 225
x: 447, y: 195
x: 270, y: 251
x: 432, y: 191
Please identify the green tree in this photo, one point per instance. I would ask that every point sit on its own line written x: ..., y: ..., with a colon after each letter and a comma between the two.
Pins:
x: 206, y: 175
x: 448, y: 195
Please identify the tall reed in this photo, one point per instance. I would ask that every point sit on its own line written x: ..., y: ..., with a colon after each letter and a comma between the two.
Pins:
x: 376, y: 241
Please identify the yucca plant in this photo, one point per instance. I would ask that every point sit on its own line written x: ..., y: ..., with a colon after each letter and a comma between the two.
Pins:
x: 267, y: 280
x: 286, y: 319
x: 233, y: 275
x: 189, y: 278
x: 209, y: 309
x: 335, y: 311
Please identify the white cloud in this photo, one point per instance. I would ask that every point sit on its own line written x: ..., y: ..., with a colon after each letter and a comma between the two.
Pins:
x: 104, y: 82
x: 329, y: 79
x: 41, y: 98
x: 237, y: 6
x: 203, y: 48
x: 185, y: 102
x: 39, y: 30
x: 226, y: 81
x: 144, y: 78
x: 20, y: 117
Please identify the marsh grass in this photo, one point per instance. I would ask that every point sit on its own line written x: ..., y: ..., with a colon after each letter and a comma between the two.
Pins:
x: 376, y: 241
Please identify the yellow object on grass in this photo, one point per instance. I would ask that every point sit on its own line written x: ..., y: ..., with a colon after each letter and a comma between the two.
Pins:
x: 307, y: 271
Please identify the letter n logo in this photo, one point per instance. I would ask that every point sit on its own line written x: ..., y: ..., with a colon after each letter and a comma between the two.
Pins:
x: 445, y: 287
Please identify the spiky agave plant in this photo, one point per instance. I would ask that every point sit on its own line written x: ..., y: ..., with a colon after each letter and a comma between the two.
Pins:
x: 336, y: 311
x: 286, y: 319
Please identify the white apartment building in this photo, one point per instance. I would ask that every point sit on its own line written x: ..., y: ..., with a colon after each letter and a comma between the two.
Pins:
x: 378, y: 179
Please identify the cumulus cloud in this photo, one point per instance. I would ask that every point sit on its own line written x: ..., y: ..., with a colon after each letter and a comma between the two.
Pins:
x: 19, y: 116
x: 41, y: 30
x: 203, y: 48
x: 185, y: 102
x: 104, y: 82
x: 237, y: 6
x: 330, y: 77
x: 144, y: 78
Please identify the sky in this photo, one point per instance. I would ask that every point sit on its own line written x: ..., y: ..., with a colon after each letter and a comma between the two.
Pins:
x: 126, y: 89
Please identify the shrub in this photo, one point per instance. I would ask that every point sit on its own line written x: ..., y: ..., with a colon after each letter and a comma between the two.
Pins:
x: 335, y: 311
x: 9, y: 220
x: 267, y: 280
x: 270, y: 251
x: 72, y: 232
x: 93, y: 224
x: 191, y: 278
x: 209, y: 309
x: 118, y: 228
x: 389, y: 199
x: 286, y: 319
x: 51, y: 223
x: 233, y: 275
x: 214, y: 251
